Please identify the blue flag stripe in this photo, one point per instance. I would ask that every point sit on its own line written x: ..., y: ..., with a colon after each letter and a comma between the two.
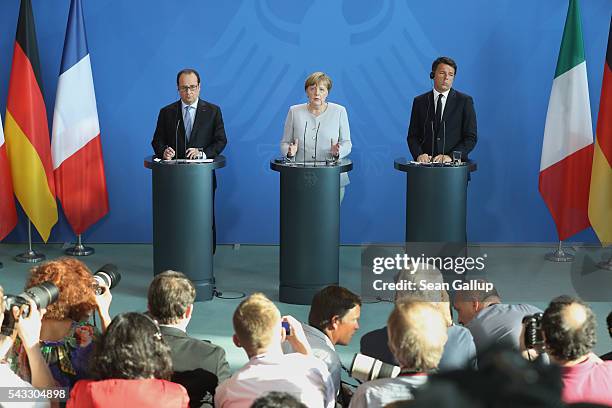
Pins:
x: 75, y: 46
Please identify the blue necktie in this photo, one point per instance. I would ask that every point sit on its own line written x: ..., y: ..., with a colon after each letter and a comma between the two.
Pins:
x: 187, y: 123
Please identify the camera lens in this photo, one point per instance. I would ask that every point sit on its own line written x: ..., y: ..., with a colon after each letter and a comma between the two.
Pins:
x: 42, y: 295
x: 107, y: 275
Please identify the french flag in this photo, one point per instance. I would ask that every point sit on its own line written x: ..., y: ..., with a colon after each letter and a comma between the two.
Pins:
x: 76, y: 149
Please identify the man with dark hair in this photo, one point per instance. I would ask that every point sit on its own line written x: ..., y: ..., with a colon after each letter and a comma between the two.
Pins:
x: 276, y: 399
x: 333, y: 319
x: 190, y: 128
x: 443, y: 120
x: 198, y: 364
x: 489, y: 320
x: 569, y: 331
x: 608, y: 356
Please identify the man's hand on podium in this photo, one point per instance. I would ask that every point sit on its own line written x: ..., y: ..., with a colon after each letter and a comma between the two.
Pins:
x: 192, y: 153
x: 168, y: 153
x: 442, y: 158
x: 424, y: 158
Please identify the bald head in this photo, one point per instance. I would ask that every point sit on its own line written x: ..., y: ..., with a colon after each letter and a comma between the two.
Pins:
x: 569, y: 329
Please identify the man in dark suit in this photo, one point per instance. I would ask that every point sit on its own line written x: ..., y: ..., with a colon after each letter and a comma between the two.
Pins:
x: 443, y: 120
x: 198, y: 364
x: 191, y: 127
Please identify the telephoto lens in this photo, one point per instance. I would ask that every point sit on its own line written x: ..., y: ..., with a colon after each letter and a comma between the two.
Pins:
x: 42, y: 295
x: 365, y: 368
x: 106, y: 276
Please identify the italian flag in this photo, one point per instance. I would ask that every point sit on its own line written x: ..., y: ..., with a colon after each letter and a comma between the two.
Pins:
x: 567, y: 151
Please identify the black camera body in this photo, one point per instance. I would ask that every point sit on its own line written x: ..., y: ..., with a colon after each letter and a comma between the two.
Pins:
x: 106, y: 277
x: 42, y: 295
x: 533, y: 330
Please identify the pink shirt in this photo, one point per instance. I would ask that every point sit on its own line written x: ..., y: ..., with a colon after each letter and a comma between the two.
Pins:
x: 589, y: 381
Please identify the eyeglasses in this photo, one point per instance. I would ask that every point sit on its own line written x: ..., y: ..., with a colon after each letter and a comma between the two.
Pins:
x: 191, y: 88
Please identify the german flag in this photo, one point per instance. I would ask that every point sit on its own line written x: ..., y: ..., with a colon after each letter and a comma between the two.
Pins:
x: 600, y: 199
x: 27, y: 131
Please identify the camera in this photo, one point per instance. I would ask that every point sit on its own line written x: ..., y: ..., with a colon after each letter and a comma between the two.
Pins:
x: 533, y: 330
x: 106, y: 276
x: 365, y: 368
x: 287, y: 328
x: 42, y: 295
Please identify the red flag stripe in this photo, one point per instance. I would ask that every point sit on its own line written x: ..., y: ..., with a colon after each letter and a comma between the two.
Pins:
x: 27, y: 106
x: 568, y: 204
x: 81, y: 186
x: 8, y: 214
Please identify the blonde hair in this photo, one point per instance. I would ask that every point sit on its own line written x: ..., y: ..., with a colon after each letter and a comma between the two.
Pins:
x: 317, y: 77
x: 417, y: 335
x: 254, y: 321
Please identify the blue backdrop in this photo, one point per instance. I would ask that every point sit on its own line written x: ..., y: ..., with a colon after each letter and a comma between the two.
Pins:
x: 254, y: 56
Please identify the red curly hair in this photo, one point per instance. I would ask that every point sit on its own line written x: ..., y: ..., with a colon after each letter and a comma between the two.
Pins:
x: 75, y: 283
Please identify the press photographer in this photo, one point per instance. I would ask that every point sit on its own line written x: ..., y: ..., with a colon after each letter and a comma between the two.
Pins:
x: 25, y: 320
x: 66, y: 334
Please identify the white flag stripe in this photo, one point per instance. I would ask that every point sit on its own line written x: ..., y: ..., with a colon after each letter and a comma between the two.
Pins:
x: 75, y: 119
x: 568, y: 120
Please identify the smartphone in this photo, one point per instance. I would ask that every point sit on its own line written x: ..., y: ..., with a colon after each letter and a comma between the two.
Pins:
x: 287, y: 328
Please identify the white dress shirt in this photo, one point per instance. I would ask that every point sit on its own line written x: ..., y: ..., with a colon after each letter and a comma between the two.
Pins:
x: 304, y: 377
x: 444, y: 98
x: 381, y: 392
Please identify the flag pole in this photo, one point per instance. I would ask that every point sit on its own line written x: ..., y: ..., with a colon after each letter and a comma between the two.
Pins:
x: 79, y: 249
x: 559, y: 255
x: 30, y: 256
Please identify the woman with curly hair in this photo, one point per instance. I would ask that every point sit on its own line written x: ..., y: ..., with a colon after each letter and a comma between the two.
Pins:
x: 66, y: 335
x: 131, y: 366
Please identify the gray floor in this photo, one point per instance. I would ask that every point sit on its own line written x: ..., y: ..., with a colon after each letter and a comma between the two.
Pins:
x: 520, y: 273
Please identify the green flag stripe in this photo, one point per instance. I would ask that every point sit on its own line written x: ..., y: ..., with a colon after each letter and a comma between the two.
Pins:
x: 572, y: 47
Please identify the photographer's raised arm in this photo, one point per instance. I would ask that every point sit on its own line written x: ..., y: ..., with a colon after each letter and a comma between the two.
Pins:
x: 28, y: 330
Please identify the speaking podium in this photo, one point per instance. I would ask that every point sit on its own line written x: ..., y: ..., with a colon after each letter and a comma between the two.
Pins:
x: 309, y: 227
x: 182, y: 220
x: 436, y: 198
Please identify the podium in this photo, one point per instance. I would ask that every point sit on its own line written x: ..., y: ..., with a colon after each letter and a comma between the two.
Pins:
x: 436, y: 198
x: 182, y: 220
x: 309, y: 227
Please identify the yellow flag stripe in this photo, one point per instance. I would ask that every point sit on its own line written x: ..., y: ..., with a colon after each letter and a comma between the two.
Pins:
x: 29, y: 179
x: 600, y: 196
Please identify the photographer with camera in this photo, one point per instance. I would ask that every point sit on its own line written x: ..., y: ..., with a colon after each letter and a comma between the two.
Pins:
x: 567, y: 333
x: 259, y: 330
x: 28, y: 330
x: 417, y: 335
x: 66, y: 334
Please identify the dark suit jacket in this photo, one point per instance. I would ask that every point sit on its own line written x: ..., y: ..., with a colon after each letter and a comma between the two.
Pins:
x: 207, y: 132
x: 459, y: 131
x: 198, y: 365
x: 189, y: 353
x: 459, y: 351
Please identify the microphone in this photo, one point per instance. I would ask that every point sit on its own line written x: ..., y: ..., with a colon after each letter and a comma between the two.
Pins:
x: 433, y: 140
x: 304, y: 145
x: 443, y: 139
x: 178, y: 121
x: 316, y: 139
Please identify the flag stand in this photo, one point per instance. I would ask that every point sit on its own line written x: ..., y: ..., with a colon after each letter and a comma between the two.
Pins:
x: 559, y: 255
x: 607, y: 265
x: 79, y: 249
x: 30, y: 256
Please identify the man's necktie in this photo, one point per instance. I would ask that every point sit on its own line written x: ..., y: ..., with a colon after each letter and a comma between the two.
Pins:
x: 438, y: 112
x: 188, y: 124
